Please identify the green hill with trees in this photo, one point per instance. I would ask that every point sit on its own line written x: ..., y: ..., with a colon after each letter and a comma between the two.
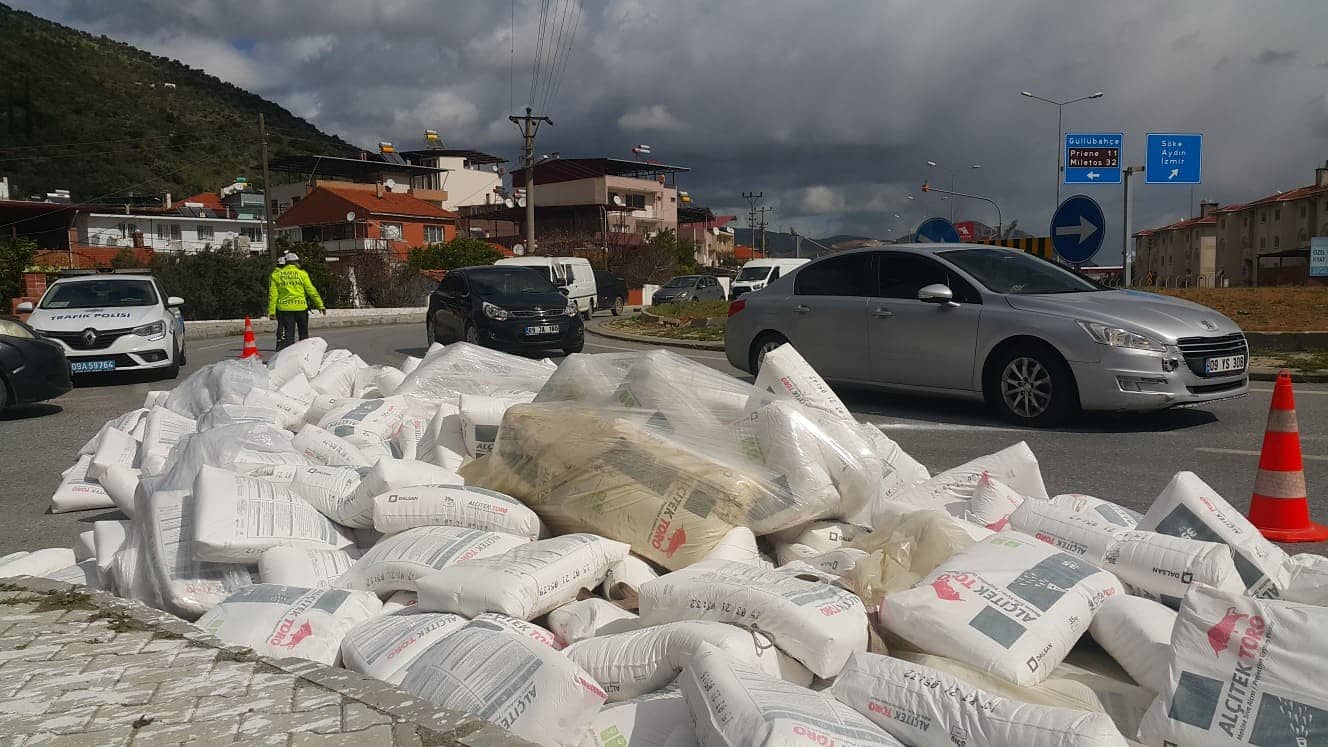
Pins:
x: 104, y: 119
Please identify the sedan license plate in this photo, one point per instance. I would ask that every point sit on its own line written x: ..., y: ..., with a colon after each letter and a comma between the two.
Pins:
x: 543, y: 329
x: 1225, y: 364
x: 92, y: 366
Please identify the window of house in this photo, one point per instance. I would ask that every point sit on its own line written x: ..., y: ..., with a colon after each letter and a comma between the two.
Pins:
x: 1263, y: 242
x: 1277, y: 213
x: 254, y: 233
x: 1277, y: 240
x: 163, y: 231
x: 1302, y: 211
x: 174, y: 231
x: 637, y: 202
x: 391, y: 231
x: 204, y: 233
x: 1302, y: 235
x: 1263, y: 216
x: 434, y: 235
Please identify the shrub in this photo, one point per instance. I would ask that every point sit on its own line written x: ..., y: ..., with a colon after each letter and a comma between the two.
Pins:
x: 15, y: 256
x: 462, y: 251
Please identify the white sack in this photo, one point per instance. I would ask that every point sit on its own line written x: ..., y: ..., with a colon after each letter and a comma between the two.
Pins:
x: 524, y: 582
x: 738, y: 546
x: 1162, y: 567
x: 312, y: 569
x: 410, y: 364
x: 1243, y: 671
x: 321, y: 405
x: 1306, y: 579
x: 1137, y: 634
x: 587, y: 618
x: 442, y: 443
x: 658, y: 719
x: 406, y: 442
x: 628, y: 665
x: 302, y: 358
x: 789, y: 443
x: 786, y: 374
x: 815, y: 623
x: 522, y: 628
x: 331, y: 490
x: 187, y: 587
x: 1083, y: 535
x: 120, y: 484
x: 623, y: 580
x: 952, y: 490
x: 116, y: 447
x: 733, y: 703
x: 84, y: 546
x: 224, y: 381
x: 810, y: 540
x: 78, y: 492
x: 239, y: 517
x: 235, y: 447
x: 229, y: 414
x: 164, y: 429
x: 298, y: 388
x: 38, y: 562
x: 1188, y: 507
x: 107, y: 538
x: 323, y: 447
x: 900, y: 471
x: 382, y: 647
x: 281, y: 621
x: 82, y: 573
x: 926, y: 707
x: 480, y: 418
x: 390, y: 474
x: 365, y: 421
x: 395, y: 563
x: 453, y: 505
x: 1114, y: 513
x: 1011, y: 605
x: 400, y: 600
x: 519, y: 684
x: 993, y: 502
x: 291, y: 409
x: 336, y: 379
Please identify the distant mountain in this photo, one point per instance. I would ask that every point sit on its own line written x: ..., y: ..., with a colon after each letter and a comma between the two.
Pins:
x: 779, y: 244
x: 99, y: 117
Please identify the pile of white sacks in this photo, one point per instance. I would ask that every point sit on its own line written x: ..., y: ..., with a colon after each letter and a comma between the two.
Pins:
x: 638, y: 550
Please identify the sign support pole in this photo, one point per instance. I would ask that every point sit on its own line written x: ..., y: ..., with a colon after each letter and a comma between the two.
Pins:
x: 1127, y: 241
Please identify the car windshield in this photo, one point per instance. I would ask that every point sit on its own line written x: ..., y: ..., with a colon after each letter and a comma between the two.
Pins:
x: 506, y: 282
x: 686, y: 281
x: 1018, y: 273
x: 96, y: 294
x: 753, y: 273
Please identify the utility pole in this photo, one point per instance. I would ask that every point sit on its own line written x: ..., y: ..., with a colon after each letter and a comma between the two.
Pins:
x: 529, y: 125
x: 1127, y: 241
x: 267, y: 189
x: 752, y: 198
x: 763, y: 210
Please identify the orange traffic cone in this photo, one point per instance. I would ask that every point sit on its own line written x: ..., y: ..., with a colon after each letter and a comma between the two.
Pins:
x: 1280, y: 508
x: 251, y: 345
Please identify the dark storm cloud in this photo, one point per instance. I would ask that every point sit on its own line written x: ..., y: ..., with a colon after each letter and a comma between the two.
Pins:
x: 832, y: 109
x: 1274, y: 57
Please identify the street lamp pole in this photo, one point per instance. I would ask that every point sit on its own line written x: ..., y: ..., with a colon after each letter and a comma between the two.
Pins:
x: 954, y: 181
x: 1060, y: 131
x: 1000, y: 221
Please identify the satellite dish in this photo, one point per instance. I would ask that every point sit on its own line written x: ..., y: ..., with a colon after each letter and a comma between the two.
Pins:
x: 618, y: 200
x: 521, y: 201
x: 518, y: 249
x: 391, y: 184
x: 350, y: 217
x: 509, y: 202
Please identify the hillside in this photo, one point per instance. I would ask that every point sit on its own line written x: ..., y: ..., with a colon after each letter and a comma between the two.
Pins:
x: 132, y: 134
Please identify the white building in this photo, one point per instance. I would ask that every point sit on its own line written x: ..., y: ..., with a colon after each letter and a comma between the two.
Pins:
x: 203, y: 221
x: 469, y: 177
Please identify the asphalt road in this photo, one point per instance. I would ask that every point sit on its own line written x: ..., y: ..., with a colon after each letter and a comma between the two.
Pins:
x: 1128, y: 459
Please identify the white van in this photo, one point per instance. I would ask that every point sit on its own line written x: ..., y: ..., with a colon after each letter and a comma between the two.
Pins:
x: 572, y: 273
x: 759, y: 273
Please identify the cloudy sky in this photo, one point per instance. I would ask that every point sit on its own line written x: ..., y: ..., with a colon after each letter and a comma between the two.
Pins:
x: 830, y: 107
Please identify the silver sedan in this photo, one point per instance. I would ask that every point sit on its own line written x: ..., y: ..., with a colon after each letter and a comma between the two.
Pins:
x: 1033, y: 339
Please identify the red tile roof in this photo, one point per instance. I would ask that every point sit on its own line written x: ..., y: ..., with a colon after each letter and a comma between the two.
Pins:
x: 391, y: 203
x: 209, y: 200
x: 1295, y: 194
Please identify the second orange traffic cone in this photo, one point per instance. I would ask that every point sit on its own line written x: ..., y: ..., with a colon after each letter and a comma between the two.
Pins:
x: 1280, y: 508
x: 250, y: 344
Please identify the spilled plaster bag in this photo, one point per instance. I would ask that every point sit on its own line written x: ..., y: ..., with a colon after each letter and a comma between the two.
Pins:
x: 239, y: 517
x: 236, y: 447
x: 38, y: 562
x: 814, y: 622
x: 406, y: 442
x: 336, y: 378
x: 1083, y: 535
x: 628, y: 665
x: 623, y: 581
x: 515, y: 682
x: 224, y: 381
x: 85, y: 546
x: 116, y: 447
x: 463, y: 368
x: 107, y: 538
x: 1136, y: 632
x: 82, y: 573
x: 389, y: 379
x: 331, y: 490
x: 838, y: 563
x: 281, y: 621
x: 410, y: 364
x: 324, y: 447
x: 291, y: 409
x: 120, y: 484
x: 321, y: 405
x: 658, y: 719
x: 1113, y: 513
x: 814, y: 539
x: 399, y: 600
x: 785, y: 440
x: 441, y: 442
x: 522, y: 628
x: 905, y: 550
x: 382, y: 647
x: 584, y: 377
x: 1189, y: 508
x: 155, y: 398
x: 733, y: 703
x: 993, y: 502
x: 1011, y: 605
x: 927, y: 707
x: 738, y: 546
x: 388, y: 474
x: 395, y: 563
x: 77, y: 492
x: 587, y: 618
x: 952, y: 490
x: 453, y: 505
x: 164, y: 429
x: 1306, y: 579
x: 1243, y: 671
x: 365, y: 422
x: 366, y: 383
x: 298, y: 388
x: 302, y: 358
x: 526, y: 581
x: 787, y: 375
x: 187, y: 587
x: 229, y: 414
x: 313, y: 569
x: 480, y: 418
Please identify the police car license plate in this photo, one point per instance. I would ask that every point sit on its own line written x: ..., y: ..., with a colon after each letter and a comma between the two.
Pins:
x: 1225, y: 364
x: 92, y: 366
x: 543, y: 329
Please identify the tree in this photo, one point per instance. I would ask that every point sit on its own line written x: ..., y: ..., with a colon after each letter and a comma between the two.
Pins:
x: 15, y: 256
x: 124, y: 259
x: 462, y: 251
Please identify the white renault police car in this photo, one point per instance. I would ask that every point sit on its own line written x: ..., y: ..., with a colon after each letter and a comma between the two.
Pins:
x: 120, y: 321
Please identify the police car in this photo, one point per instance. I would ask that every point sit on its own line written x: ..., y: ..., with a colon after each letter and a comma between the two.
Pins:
x: 112, y: 321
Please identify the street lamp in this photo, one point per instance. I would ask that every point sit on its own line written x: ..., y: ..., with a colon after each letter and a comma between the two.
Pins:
x: 954, y: 179
x: 1060, y: 135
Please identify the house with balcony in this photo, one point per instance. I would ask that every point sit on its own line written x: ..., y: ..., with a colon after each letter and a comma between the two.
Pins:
x: 348, y: 218
x: 467, y: 177
x: 711, y: 234
x: 296, y: 177
x: 232, y: 217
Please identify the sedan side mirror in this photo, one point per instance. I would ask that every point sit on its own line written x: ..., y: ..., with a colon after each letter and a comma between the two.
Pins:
x: 174, y: 301
x: 936, y: 293
x: 24, y: 308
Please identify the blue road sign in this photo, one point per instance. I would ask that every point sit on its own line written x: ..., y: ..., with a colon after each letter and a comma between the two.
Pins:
x: 1319, y: 256
x: 1174, y: 158
x: 1093, y: 157
x: 937, y: 231
x: 1077, y: 229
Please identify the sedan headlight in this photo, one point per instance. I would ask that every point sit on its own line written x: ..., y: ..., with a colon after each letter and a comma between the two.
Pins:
x: 494, y: 312
x: 571, y: 309
x: 1118, y: 337
x: 14, y: 329
x: 153, y: 331
x: 684, y: 294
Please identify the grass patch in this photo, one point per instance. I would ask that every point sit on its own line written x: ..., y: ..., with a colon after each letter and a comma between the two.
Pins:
x: 1283, y: 309
x: 119, y: 621
x: 1309, y: 360
x: 639, y: 325
x: 692, y: 310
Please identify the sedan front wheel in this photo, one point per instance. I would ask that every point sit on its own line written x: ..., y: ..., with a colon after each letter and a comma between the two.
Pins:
x: 1032, y: 386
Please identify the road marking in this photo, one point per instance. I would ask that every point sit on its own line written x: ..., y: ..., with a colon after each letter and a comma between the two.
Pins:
x: 1247, y: 452
x: 1298, y: 392
x: 943, y: 427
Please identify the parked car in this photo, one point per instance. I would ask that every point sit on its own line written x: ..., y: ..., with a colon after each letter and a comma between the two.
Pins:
x: 112, y: 321
x: 1034, y: 339
x: 504, y: 307
x: 610, y: 292
x: 758, y: 273
x: 572, y: 273
x: 32, y: 369
x: 688, y: 288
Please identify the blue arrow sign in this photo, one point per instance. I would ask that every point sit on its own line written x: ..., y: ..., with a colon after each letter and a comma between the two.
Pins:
x: 1077, y: 229
x: 1174, y: 158
x: 937, y: 231
x: 1093, y: 157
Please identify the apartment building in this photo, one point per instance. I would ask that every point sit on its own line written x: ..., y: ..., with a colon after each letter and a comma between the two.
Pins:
x: 467, y: 177
x: 232, y: 217
x: 295, y: 177
x: 348, y: 218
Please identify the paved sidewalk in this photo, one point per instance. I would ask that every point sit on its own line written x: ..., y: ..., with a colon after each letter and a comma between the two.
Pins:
x: 88, y: 668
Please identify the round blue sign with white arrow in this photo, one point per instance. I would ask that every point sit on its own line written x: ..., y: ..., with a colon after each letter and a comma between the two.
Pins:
x: 936, y: 231
x: 1077, y: 229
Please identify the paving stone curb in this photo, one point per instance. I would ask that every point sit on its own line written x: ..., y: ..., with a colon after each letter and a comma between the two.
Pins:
x: 1268, y: 373
x: 383, y: 714
x: 210, y: 329
x: 597, y: 329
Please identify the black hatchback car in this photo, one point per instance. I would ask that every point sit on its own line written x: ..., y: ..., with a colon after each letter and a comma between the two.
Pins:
x: 504, y: 307
x: 32, y: 368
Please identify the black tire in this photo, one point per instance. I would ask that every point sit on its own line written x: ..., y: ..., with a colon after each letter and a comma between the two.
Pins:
x: 1031, y: 385
x: 472, y: 335
x: 430, y: 330
x: 184, y: 358
x: 578, y: 347
x: 618, y: 306
x: 764, y: 343
x: 4, y: 394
